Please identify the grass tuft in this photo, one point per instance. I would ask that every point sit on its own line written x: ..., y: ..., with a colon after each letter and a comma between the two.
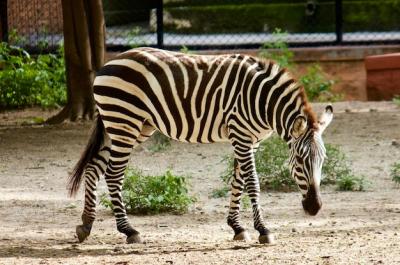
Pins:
x: 395, y: 173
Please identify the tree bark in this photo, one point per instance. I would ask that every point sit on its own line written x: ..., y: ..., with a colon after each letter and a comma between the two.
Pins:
x: 84, y: 47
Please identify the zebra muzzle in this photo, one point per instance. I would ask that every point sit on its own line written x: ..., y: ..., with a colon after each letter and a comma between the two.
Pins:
x: 312, y: 202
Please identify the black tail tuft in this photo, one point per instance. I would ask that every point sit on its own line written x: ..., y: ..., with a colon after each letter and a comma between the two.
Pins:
x: 95, y: 142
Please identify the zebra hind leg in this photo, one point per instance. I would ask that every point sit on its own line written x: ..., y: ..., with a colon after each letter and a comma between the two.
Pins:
x: 93, y: 171
x: 119, y: 157
x: 234, y: 208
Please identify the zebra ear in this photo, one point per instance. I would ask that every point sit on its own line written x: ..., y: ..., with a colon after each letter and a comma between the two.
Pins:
x: 325, y: 119
x: 299, y: 126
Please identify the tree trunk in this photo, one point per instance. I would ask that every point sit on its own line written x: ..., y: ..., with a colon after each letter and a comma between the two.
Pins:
x: 84, y: 46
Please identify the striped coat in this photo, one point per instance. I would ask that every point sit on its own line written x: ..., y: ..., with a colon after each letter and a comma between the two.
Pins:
x: 199, y: 99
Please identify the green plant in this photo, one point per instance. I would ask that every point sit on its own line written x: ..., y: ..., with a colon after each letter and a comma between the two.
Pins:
x: 317, y: 86
x: 220, y: 192
x: 16, y: 39
x: 153, y: 194
x: 133, y: 37
x: 396, y: 100
x: 185, y: 49
x: 281, y: 53
x: 28, y: 81
x: 161, y: 142
x: 271, y: 165
x: 245, y: 201
x: 273, y: 172
x: 395, y: 173
x: 351, y: 183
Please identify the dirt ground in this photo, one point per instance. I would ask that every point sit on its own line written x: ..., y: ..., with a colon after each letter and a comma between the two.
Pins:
x: 37, y: 220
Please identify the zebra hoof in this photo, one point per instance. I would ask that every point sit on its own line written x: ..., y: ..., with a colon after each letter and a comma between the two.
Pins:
x: 243, y: 236
x: 135, y: 238
x: 82, y: 232
x: 267, y: 239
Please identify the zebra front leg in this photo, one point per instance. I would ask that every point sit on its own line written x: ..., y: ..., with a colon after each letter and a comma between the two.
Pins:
x: 247, y: 171
x: 237, y: 185
x: 253, y: 189
x: 93, y: 171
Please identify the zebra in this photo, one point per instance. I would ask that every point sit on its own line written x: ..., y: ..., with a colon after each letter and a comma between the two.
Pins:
x: 231, y: 98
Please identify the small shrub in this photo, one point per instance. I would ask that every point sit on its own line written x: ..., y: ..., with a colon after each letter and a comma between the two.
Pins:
x: 335, y: 166
x: 185, y: 49
x: 273, y: 172
x: 134, y: 39
x: 395, y: 173
x: 220, y: 193
x: 161, y: 142
x: 153, y: 194
x: 271, y: 165
x: 245, y: 201
x: 351, y: 183
x: 282, y: 55
x: 317, y: 86
x: 28, y: 81
x: 396, y: 100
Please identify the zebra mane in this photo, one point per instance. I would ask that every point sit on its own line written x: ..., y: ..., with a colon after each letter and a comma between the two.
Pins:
x: 308, y: 111
x: 312, y: 120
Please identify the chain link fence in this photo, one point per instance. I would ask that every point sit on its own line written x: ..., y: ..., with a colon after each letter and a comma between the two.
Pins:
x: 206, y: 24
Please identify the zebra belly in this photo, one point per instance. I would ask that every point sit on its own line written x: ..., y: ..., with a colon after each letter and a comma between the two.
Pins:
x: 196, y: 135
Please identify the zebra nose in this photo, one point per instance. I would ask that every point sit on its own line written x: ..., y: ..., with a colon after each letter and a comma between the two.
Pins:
x: 312, y: 202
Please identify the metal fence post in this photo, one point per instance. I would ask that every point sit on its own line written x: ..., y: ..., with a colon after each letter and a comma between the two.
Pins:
x: 339, y: 21
x: 160, y: 24
x: 3, y: 21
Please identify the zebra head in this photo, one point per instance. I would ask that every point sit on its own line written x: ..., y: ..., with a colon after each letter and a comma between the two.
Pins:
x: 307, y: 154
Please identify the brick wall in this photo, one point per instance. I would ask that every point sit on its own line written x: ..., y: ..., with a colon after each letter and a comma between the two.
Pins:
x: 35, y: 16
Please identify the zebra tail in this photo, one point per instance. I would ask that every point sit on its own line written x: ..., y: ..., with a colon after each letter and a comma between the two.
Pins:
x: 95, y: 142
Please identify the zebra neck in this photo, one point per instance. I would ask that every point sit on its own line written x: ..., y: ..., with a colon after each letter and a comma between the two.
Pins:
x: 281, y: 101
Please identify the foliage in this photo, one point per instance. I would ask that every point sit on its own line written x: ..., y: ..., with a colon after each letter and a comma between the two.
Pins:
x: 395, y: 173
x: 396, y: 100
x: 273, y: 172
x: 314, y: 81
x: 245, y: 201
x: 153, y: 194
x: 337, y: 170
x: 282, y: 55
x: 263, y: 16
x: 185, y: 49
x: 220, y: 192
x: 271, y: 167
x: 161, y: 142
x: 317, y: 86
x: 351, y: 183
x: 27, y: 81
x: 133, y: 38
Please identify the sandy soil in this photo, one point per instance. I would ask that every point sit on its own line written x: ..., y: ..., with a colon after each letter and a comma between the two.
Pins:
x: 37, y: 220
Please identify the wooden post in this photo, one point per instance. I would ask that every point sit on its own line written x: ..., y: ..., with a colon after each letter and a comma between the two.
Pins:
x: 3, y: 21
